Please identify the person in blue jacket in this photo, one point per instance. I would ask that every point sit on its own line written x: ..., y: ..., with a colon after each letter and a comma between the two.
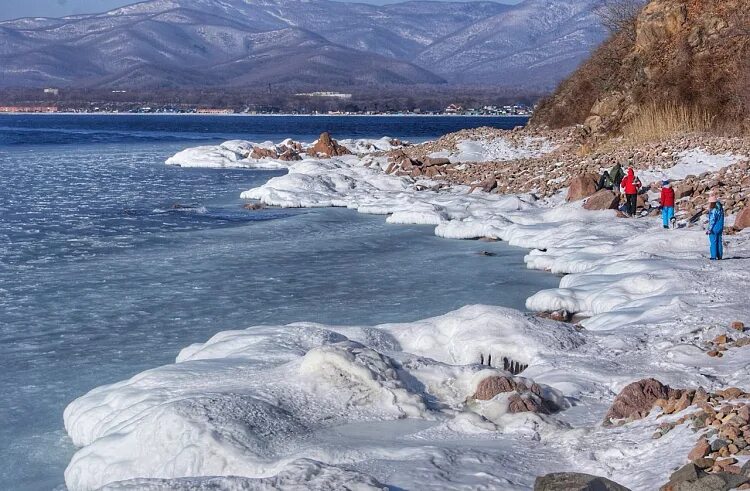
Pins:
x: 715, y: 228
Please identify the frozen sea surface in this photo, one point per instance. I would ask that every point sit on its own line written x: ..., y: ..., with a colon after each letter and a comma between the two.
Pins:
x: 101, y: 276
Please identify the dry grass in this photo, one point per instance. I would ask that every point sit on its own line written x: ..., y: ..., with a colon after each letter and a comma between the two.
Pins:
x: 659, y: 121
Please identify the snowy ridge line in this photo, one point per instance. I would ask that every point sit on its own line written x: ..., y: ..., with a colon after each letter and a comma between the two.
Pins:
x: 393, y: 404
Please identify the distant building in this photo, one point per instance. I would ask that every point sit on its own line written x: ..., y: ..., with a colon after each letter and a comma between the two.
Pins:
x: 453, y: 109
x: 335, y: 95
x: 52, y: 91
x: 28, y: 109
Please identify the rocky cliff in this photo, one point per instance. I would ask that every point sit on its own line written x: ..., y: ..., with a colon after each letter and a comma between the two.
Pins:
x: 687, y: 53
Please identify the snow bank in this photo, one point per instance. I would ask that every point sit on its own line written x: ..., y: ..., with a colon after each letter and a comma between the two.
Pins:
x: 497, y: 149
x: 695, y: 162
x: 230, y: 154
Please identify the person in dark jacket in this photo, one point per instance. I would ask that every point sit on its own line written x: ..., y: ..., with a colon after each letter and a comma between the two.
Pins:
x: 715, y: 228
x: 616, y: 175
x: 630, y: 185
x: 667, y: 203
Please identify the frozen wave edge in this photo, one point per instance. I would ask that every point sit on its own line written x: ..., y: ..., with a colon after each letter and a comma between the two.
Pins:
x: 392, y: 404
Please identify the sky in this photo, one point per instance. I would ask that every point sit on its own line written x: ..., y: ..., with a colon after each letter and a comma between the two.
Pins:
x: 12, y: 9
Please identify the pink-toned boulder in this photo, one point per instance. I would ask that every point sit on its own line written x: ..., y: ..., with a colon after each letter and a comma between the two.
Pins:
x: 263, y: 153
x: 582, y: 186
x: 492, y: 386
x: 742, y: 220
x: 603, y: 199
x: 637, y: 399
x: 430, y: 161
x: 328, y: 147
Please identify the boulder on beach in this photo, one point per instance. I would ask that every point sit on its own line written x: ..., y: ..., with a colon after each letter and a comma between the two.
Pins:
x: 575, y: 481
x: 328, y: 147
x: 582, y: 186
x: 637, y: 399
x: 526, y: 396
x: 603, y: 199
x: 742, y: 220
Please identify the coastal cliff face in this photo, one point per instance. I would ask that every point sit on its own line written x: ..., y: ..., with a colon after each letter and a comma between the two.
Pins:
x: 690, y: 53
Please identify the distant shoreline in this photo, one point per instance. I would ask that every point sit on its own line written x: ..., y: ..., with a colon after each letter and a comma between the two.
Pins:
x: 272, y: 115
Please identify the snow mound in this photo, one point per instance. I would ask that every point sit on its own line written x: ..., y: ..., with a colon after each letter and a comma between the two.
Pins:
x: 369, y: 378
x: 230, y: 154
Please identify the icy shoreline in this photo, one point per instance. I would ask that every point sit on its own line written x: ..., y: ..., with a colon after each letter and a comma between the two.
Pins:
x: 311, y: 405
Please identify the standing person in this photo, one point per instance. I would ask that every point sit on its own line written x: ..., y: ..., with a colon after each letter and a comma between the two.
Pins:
x: 715, y: 228
x: 631, y: 185
x: 616, y: 175
x: 667, y: 203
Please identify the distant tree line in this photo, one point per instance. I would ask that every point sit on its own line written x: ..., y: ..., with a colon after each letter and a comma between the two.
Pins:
x: 426, y: 98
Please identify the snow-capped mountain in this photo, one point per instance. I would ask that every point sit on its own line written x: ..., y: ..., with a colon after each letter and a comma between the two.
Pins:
x: 234, y: 42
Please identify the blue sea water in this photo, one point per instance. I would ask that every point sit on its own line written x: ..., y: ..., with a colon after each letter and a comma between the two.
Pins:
x: 102, y: 276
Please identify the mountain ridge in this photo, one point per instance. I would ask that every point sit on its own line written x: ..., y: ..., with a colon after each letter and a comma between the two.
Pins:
x: 416, y: 42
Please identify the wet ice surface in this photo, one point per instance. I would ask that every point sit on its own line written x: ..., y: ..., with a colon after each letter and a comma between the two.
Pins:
x: 100, y: 278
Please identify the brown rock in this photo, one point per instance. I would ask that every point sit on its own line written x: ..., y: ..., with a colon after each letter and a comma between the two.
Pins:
x: 742, y: 220
x: 582, y: 186
x: 700, y: 450
x: 492, y: 386
x: 430, y: 161
x: 721, y: 339
x: 738, y: 326
x: 704, y: 463
x: 289, y: 155
x: 263, y: 153
x: 328, y: 147
x: 637, y: 399
x: 730, y: 393
x: 603, y: 199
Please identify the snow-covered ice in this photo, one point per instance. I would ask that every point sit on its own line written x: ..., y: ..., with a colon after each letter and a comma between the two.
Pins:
x: 390, y: 404
x: 691, y: 162
x: 497, y: 150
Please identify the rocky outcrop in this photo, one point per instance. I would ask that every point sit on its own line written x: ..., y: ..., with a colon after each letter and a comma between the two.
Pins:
x: 582, y: 186
x: 400, y: 164
x: 326, y: 146
x: 679, y: 52
x: 287, y: 151
x: 575, y: 481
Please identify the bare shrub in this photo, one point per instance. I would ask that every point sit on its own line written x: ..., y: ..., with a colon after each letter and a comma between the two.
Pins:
x: 619, y: 15
x: 658, y: 121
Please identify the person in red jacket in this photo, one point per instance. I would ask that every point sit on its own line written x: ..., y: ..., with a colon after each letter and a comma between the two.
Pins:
x: 630, y: 185
x: 667, y: 203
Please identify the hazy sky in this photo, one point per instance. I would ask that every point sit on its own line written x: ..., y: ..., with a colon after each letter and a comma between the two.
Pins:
x: 11, y: 9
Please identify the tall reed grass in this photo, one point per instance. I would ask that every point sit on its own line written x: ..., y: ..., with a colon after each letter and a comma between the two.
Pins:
x: 657, y: 121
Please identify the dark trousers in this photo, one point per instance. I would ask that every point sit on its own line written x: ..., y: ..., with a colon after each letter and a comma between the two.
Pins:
x: 631, y: 203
